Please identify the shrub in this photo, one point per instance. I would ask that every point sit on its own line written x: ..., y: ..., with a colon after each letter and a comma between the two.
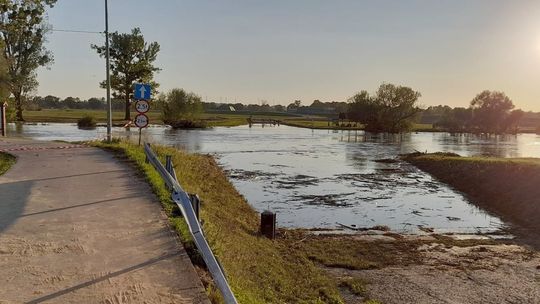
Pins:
x: 86, y: 122
x: 181, y: 109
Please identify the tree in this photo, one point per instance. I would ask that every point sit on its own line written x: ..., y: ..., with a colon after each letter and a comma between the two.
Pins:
x: 22, y: 31
x: 180, y: 109
x: 512, y: 120
x: 392, y: 109
x: 132, y: 60
x: 363, y: 109
x: 96, y: 103
x: 455, y: 120
x: 4, y: 77
x: 50, y: 102
x: 317, y: 104
x: 295, y: 105
x: 491, y: 111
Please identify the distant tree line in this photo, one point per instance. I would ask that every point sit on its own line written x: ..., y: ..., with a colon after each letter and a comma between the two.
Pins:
x: 37, y: 103
x: 489, y: 112
x: 391, y: 108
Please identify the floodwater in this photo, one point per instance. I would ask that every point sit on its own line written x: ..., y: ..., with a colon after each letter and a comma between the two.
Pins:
x: 321, y: 178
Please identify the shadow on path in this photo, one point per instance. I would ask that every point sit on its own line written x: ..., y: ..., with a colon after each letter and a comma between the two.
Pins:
x: 80, y: 205
x: 67, y: 176
x: 103, y: 278
x: 13, y: 199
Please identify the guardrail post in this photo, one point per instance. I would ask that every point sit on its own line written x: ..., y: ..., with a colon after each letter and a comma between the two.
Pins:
x: 3, y: 122
x: 268, y: 224
x: 168, y: 163
x: 196, y: 203
x: 146, y: 159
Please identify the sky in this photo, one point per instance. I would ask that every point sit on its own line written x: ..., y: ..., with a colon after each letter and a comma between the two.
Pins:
x: 278, y: 51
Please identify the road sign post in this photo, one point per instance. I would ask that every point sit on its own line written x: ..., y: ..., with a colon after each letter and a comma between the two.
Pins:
x: 142, y: 93
x: 3, y: 122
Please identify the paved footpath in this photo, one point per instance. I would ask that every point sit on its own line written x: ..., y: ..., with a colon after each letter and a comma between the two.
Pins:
x: 79, y: 226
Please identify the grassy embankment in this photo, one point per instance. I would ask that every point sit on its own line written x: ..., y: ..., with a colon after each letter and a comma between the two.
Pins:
x: 323, y: 125
x: 6, y: 161
x: 507, y: 187
x: 259, y: 270
x: 211, y: 119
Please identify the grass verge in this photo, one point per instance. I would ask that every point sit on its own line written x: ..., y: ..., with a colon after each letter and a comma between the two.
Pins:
x: 6, y: 161
x: 259, y: 270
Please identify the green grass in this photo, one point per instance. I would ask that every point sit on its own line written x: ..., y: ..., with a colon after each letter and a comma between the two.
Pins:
x: 479, y: 160
x: 356, y: 286
x: 259, y: 270
x: 6, y: 161
x: 211, y: 119
x: 72, y: 116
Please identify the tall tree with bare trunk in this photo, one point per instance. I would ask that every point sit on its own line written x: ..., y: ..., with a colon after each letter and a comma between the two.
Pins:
x: 132, y: 60
x: 22, y: 31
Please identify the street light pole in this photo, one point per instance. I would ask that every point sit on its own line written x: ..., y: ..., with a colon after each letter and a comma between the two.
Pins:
x: 108, y: 79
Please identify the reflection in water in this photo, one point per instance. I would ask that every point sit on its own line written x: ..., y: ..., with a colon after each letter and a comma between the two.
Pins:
x: 316, y: 178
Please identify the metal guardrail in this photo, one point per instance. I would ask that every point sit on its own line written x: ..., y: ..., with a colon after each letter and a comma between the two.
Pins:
x: 182, y: 199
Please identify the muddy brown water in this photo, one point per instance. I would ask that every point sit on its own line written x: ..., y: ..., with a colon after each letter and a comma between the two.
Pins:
x: 319, y: 178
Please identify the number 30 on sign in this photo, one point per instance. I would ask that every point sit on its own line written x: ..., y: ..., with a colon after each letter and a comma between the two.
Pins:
x: 141, y: 121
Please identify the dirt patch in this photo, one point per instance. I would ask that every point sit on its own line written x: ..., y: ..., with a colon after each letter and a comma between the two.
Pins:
x: 426, y: 270
x: 477, y: 274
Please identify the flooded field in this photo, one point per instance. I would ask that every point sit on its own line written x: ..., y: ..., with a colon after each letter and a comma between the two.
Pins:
x: 326, y: 179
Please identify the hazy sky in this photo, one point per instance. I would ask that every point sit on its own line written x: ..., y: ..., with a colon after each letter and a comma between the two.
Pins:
x: 282, y: 50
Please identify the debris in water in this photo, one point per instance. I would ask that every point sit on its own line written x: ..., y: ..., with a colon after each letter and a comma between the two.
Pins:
x: 416, y: 212
x: 426, y: 229
x: 387, y: 160
x: 353, y: 227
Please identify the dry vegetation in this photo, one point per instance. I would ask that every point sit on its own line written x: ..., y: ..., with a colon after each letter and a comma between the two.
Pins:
x: 6, y: 161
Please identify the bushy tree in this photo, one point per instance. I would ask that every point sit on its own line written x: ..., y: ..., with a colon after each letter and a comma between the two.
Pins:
x: 455, y: 120
x: 392, y: 109
x: 132, y: 60
x: 294, y: 106
x: 4, y: 77
x: 180, y: 109
x: 22, y: 31
x: 491, y: 112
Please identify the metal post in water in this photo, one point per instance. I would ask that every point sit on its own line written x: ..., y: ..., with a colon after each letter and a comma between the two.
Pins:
x: 268, y: 224
x: 108, y: 77
x: 3, y: 122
